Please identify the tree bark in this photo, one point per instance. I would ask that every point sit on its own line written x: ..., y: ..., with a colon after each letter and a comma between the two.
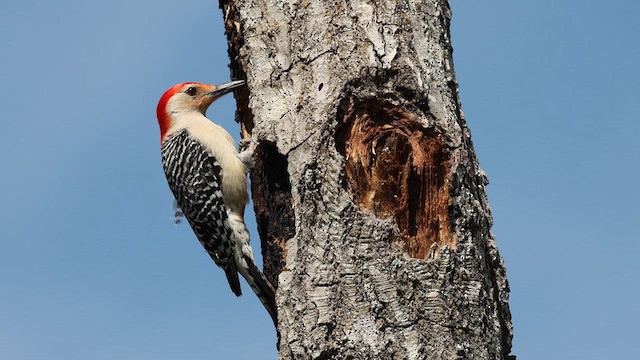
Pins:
x: 371, y: 208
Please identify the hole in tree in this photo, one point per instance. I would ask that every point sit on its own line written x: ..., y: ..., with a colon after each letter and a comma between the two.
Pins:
x: 271, y: 191
x: 397, y: 169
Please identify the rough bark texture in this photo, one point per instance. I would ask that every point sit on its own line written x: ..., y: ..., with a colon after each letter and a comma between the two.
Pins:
x: 371, y: 207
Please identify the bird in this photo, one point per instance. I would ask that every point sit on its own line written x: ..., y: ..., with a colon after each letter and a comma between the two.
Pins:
x: 208, y: 178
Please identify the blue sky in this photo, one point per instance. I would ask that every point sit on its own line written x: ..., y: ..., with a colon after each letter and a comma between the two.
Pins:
x: 92, y: 267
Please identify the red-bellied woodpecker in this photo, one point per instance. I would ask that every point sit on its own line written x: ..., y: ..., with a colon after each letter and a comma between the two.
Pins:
x: 209, y: 181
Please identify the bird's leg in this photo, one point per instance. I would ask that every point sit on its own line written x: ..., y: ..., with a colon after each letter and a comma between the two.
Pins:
x: 177, y: 213
x: 247, y: 147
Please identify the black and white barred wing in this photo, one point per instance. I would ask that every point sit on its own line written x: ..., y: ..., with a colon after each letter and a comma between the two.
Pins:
x: 194, y: 177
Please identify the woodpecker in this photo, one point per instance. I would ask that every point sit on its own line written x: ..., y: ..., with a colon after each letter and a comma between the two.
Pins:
x: 208, y: 178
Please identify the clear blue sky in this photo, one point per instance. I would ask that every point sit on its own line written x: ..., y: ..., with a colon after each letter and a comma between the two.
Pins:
x: 92, y: 267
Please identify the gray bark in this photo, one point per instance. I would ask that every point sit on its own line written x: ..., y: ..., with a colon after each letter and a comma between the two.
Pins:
x: 372, y: 213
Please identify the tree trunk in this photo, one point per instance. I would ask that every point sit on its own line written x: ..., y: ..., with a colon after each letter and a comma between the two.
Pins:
x: 370, y: 203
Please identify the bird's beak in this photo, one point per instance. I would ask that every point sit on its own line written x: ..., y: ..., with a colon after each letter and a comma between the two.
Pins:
x: 225, y: 88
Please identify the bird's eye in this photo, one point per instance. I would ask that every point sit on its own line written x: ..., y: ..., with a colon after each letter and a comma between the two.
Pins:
x: 191, y: 90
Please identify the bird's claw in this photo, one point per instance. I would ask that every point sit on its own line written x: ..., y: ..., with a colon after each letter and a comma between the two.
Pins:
x: 177, y: 213
x: 247, y: 147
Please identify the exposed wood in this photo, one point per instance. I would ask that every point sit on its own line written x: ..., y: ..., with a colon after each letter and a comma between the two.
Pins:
x: 396, y: 168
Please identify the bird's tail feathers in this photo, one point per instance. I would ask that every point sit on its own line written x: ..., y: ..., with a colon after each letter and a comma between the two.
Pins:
x: 262, y: 287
